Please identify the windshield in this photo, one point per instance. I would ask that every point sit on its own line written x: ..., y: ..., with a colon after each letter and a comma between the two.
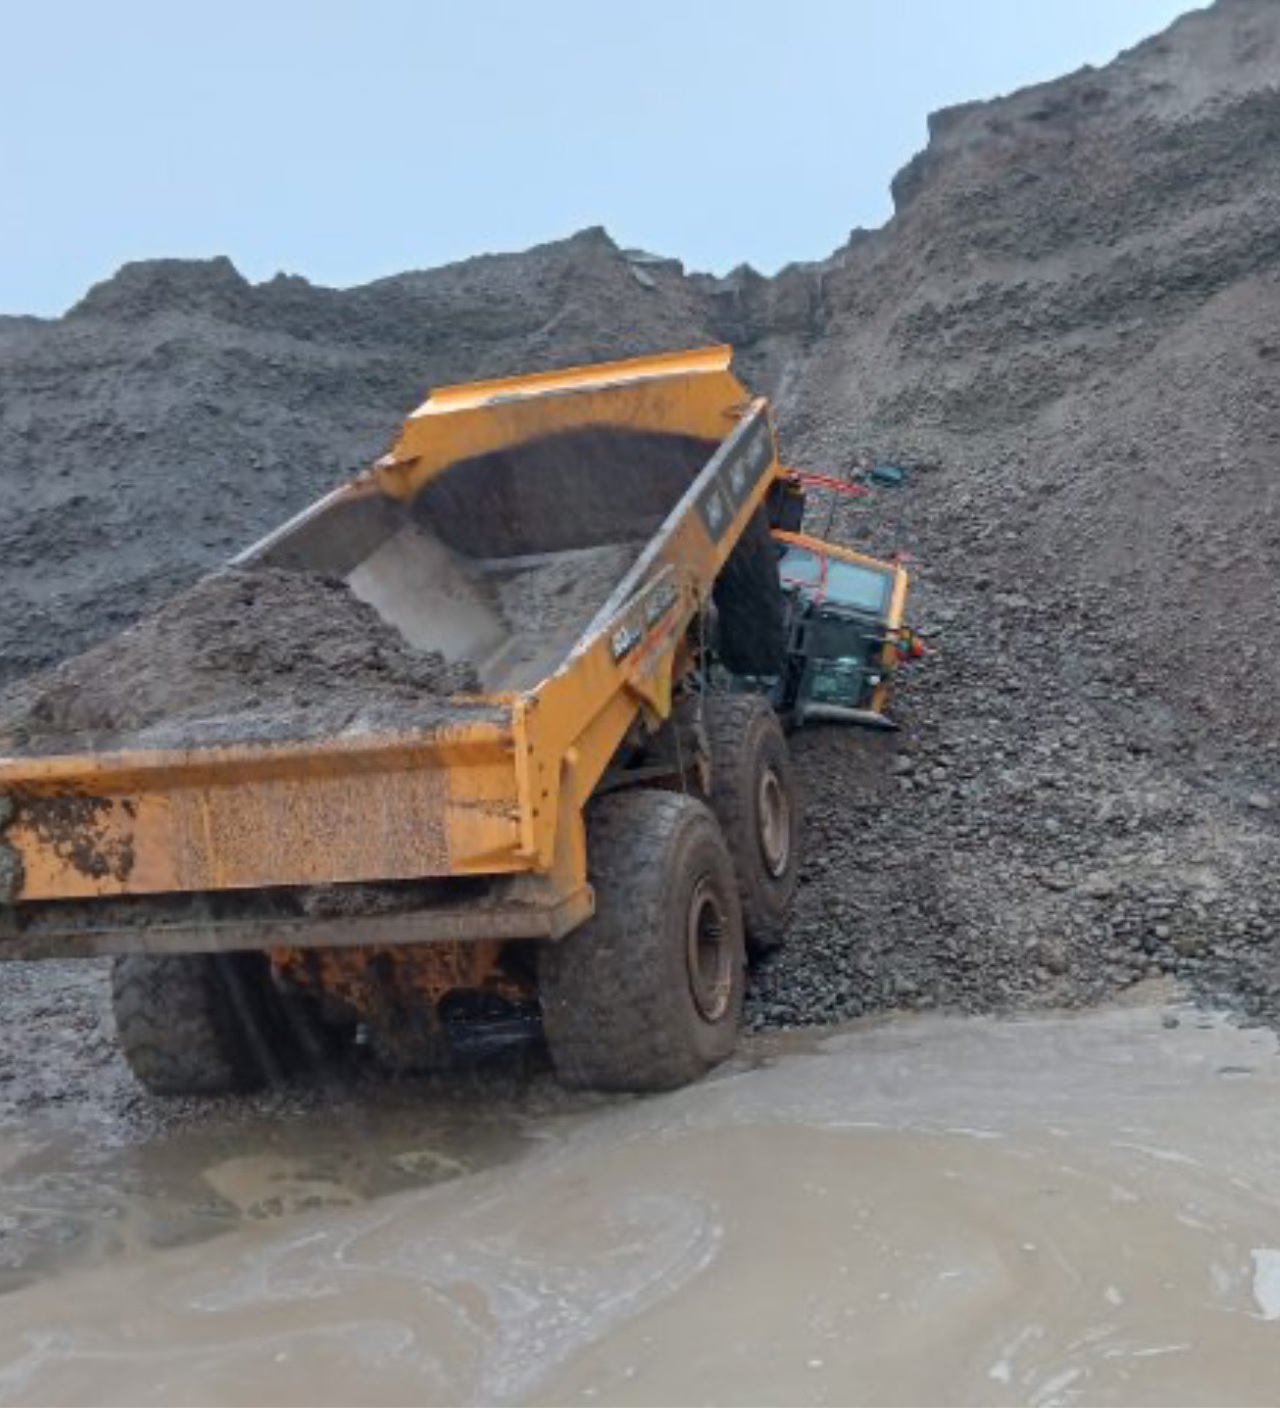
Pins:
x: 863, y: 588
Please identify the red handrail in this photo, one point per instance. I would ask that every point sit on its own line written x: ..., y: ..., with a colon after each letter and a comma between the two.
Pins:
x: 827, y: 481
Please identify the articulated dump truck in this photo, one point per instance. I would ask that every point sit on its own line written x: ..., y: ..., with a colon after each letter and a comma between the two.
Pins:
x: 585, y: 817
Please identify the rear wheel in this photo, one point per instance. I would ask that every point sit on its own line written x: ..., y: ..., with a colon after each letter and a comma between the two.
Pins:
x: 753, y: 797
x: 198, y: 1024
x: 647, y: 994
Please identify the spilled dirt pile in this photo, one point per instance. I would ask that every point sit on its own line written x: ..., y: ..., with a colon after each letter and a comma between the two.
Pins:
x: 245, y: 654
x: 1040, y: 833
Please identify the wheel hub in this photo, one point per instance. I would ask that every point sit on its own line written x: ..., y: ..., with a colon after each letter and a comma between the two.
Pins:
x: 709, y: 952
x: 774, y: 814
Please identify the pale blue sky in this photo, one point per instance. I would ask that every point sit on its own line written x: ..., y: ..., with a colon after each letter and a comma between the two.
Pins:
x: 347, y: 141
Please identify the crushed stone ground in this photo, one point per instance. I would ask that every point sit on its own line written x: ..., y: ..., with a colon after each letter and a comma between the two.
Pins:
x: 1037, y: 835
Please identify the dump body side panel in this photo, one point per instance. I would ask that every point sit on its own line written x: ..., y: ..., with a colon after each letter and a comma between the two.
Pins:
x: 627, y: 664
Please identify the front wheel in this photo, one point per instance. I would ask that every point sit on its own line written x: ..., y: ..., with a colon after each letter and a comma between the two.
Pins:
x: 647, y: 994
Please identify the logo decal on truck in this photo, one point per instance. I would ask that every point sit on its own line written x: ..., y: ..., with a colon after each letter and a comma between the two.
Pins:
x: 735, y: 470
x: 645, y: 612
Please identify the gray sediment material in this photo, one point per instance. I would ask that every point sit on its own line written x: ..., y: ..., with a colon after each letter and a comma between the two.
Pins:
x: 245, y: 655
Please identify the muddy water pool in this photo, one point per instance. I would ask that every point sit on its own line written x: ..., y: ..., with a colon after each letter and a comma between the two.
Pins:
x: 1058, y: 1209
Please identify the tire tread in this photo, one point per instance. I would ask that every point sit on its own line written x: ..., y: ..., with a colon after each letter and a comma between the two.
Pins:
x: 177, y: 1026
x: 612, y: 1019
x: 733, y: 724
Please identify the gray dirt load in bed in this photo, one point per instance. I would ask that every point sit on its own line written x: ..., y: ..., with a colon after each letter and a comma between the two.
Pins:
x: 245, y: 655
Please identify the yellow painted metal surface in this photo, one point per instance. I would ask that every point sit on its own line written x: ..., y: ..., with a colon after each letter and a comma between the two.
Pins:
x: 590, y: 706
x: 395, y: 807
x: 683, y: 393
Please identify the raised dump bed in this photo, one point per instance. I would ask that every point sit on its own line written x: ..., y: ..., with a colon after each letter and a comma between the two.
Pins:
x: 359, y: 758
x: 349, y: 699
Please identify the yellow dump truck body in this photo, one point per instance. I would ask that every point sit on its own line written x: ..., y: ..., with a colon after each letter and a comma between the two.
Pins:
x: 495, y: 787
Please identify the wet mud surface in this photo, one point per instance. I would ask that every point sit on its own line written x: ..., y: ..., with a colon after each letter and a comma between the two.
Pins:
x: 1053, y: 1210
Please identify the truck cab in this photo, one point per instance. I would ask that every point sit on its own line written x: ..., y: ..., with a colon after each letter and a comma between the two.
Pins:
x: 844, y: 632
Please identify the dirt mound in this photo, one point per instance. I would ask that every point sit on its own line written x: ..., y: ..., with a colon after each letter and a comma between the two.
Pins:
x: 245, y: 654
x: 1043, y: 831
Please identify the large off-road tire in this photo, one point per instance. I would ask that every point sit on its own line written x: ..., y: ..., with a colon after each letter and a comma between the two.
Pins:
x: 197, y: 1024
x: 750, y: 619
x: 647, y: 994
x: 753, y: 795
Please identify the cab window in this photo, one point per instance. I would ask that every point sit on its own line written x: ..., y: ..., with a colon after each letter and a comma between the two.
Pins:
x: 800, y: 566
x: 862, y: 588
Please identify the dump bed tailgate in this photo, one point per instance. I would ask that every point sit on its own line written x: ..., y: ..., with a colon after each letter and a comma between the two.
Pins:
x: 423, y: 802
